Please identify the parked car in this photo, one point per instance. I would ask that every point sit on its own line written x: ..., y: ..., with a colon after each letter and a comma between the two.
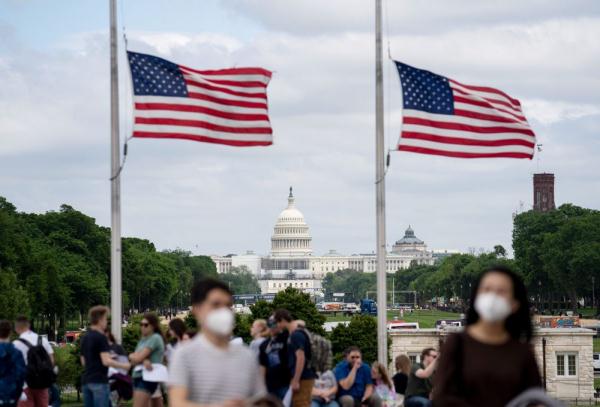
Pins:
x: 351, y: 308
x: 395, y: 326
x: 596, y: 361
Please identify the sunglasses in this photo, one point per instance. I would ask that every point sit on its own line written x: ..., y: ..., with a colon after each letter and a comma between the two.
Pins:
x: 145, y: 324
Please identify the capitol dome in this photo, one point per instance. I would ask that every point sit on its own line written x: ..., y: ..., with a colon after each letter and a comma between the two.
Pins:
x: 291, y: 236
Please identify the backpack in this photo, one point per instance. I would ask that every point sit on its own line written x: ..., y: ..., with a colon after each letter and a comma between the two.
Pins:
x: 320, y: 352
x: 40, y: 372
x: 12, y: 374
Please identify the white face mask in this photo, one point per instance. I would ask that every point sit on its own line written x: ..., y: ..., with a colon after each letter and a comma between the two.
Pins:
x: 492, y: 307
x: 220, y: 322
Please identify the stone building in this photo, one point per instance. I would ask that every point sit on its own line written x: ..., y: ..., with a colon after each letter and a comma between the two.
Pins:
x: 543, y: 192
x: 564, y: 356
x: 292, y: 252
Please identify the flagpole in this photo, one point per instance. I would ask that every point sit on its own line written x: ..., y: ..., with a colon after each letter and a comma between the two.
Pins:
x: 115, y: 182
x: 380, y: 195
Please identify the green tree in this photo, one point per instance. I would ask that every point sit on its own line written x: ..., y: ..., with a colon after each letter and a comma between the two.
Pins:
x: 14, y: 300
x: 361, y: 332
x: 353, y: 283
x: 241, y: 280
x: 301, y: 307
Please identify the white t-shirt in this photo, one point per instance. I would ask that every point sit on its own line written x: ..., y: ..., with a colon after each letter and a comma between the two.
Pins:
x: 32, y: 338
x: 214, y: 375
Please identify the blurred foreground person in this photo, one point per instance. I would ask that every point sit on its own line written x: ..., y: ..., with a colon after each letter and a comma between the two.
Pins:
x: 491, y: 362
x: 273, y: 359
x: 208, y: 369
x: 299, y: 355
x: 383, y: 385
x: 418, y: 388
x: 355, y: 384
x: 12, y: 368
x: 400, y: 379
x: 149, y: 350
x: 96, y: 359
x: 259, y: 333
x: 177, y: 334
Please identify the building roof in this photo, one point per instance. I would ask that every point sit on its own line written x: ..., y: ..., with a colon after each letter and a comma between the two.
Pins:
x: 409, y: 238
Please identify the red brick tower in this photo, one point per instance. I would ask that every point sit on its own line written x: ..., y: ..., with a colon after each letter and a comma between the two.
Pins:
x: 543, y: 192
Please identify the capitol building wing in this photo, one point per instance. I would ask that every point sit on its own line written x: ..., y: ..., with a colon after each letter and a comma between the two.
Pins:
x: 291, y: 262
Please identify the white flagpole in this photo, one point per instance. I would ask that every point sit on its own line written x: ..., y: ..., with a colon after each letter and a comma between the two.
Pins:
x: 115, y: 183
x: 380, y: 195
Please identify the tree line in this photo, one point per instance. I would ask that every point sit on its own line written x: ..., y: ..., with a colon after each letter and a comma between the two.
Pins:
x: 557, y: 253
x: 56, y: 265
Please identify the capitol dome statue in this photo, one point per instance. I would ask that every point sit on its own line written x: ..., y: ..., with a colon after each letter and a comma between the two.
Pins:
x: 291, y: 236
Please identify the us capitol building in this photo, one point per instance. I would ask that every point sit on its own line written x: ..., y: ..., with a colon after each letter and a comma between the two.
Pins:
x: 292, y: 263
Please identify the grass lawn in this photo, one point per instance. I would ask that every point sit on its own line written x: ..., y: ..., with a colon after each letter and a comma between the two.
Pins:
x: 596, y: 344
x: 425, y: 318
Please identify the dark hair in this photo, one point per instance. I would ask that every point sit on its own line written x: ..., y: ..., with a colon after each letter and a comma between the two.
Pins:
x: 517, y: 324
x: 153, y: 322
x: 97, y: 313
x: 201, y: 289
x: 5, y: 329
x: 425, y: 352
x: 110, y: 336
x: 178, y: 326
x: 282, y: 315
x: 21, y: 321
x: 351, y: 349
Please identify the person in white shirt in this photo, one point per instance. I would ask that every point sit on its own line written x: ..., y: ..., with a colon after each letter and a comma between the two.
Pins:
x: 208, y: 370
x: 35, y: 397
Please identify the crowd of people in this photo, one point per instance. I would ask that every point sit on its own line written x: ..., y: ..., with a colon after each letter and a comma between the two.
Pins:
x: 490, y: 363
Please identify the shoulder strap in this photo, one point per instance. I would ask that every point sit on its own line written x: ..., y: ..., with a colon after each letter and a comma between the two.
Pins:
x: 39, y: 340
x: 26, y: 342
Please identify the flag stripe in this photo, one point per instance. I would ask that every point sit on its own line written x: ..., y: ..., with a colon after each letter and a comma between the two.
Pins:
x: 204, y: 101
x: 492, y: 101
x: 486, y: 90
x: 201, y: 109
x: 467, y: 134
x: 487, y: 105
x: 205, y: 139
x: 202, y: 124
x: 229, y: 102
x: 162, y: 114
x: 466, y: 148
x: 230, y: 71
x: 417, y: 114
x: 194, y: 84
x: 196, y: 131
x: 466, y: 127
x: 240, y: 86
x: 460, y: 154
x: 465, y: 141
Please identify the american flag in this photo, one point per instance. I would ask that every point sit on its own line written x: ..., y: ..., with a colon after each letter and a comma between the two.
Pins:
x: 224, y: 106
x: 444, y: 117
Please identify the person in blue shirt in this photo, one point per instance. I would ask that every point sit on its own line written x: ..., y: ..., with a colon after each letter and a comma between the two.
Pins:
x: 355, y: 384
x: 12, y: 368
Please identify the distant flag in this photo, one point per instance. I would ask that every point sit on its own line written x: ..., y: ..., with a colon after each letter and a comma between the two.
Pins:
x: 224, y: 106
x: 444, y: 117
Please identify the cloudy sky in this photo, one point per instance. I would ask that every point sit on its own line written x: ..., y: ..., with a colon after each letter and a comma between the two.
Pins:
x: 54, y: 117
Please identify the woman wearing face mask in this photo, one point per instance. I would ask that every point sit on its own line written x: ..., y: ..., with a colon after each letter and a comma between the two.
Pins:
x: 491, y: 362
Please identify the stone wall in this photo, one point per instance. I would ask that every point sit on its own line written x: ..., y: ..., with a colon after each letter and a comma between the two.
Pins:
x: 561, y: 341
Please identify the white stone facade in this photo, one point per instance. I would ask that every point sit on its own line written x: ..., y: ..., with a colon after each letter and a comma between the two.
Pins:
x: 291, y: 252
x: 560, y: 342
x: 307, y: 285
x: 291, y: 236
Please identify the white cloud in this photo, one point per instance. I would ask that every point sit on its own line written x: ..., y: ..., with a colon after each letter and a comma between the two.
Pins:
x: 54, y: 125
x: 550, y: 112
